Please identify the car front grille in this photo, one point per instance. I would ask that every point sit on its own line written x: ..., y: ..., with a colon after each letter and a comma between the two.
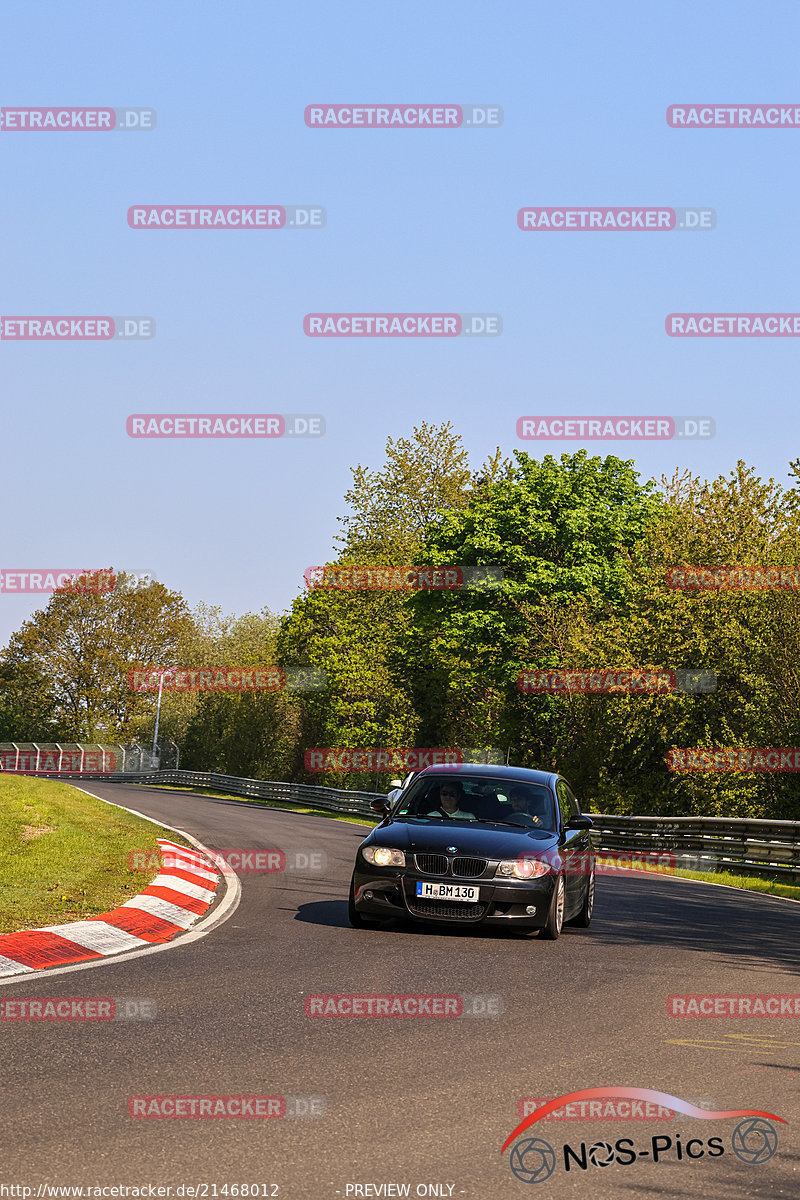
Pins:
x: 438, y: 864
x: 447, y: 910
x: 431, y: 864
x: 469, y: 868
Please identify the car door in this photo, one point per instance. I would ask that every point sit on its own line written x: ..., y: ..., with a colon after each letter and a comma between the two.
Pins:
x: 574, y: 844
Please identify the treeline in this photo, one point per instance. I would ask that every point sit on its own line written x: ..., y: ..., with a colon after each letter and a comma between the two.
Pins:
x: 584, y: 547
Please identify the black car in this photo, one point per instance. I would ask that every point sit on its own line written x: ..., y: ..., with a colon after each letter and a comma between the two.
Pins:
x: 483, y: 845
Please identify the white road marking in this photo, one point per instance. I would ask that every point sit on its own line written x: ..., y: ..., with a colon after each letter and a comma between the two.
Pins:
x: 192, y: 868
x: 162, y: 908
x: 98, y: 935
x: 180, y: 885
x: 9, y: 967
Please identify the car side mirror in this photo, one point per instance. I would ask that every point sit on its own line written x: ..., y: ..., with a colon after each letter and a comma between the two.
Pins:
x: 581, y: 822
x: 380, y: 806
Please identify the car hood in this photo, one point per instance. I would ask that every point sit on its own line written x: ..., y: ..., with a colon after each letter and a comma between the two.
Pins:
x: 478, y: 838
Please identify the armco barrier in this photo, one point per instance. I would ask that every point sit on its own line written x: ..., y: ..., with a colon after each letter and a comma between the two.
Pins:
x: 755, y: 847
x: 327, y: 799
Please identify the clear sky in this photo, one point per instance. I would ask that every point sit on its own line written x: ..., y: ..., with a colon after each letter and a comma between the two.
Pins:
x: 417, y: 221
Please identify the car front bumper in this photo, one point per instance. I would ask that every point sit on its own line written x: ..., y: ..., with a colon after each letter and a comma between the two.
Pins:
x: 391, y: 893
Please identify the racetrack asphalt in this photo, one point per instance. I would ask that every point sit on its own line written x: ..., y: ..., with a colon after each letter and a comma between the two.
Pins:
x: 407, y: 1101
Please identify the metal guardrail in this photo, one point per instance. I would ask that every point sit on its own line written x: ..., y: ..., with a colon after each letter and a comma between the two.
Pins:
x: 308, y: 795
x: 756, y: 847
x: 741, y: 844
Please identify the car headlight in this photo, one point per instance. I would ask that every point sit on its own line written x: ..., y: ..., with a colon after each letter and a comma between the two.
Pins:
x: 522, y: 868
x: 383, y: 856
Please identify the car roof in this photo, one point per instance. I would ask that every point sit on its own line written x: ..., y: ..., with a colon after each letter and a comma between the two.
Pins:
x: 490, y: 771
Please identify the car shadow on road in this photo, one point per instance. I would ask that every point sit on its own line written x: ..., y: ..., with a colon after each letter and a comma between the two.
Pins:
x: 743, y: 929
x: 334, y: 913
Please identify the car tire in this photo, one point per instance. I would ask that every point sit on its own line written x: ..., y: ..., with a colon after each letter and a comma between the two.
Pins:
x: 583, y: 919
x: 555, y: 917
x: 353, y: 915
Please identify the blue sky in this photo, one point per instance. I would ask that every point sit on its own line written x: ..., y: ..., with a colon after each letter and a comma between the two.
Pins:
x: 416, y: 221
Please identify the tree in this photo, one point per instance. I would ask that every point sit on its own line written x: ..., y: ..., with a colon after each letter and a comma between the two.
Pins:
x: 353, y: 635
x: 250, y: 733
x: 561, y: 532
x: 77, y: 653
x: 392, y: 509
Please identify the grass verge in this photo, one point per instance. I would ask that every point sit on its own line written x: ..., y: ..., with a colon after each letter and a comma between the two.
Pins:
x: 64, y: 853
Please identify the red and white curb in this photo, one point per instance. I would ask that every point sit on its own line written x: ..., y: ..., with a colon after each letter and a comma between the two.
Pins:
x: 180, y: 895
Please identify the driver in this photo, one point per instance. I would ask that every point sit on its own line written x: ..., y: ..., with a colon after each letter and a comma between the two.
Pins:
x: 521, y: 802
x: 451, y: 794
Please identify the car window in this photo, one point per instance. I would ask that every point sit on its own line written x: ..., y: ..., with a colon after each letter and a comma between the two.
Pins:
x: 423, y: 798
x: 576, y: 807
x: 566, y: 801
x: 483, y: 799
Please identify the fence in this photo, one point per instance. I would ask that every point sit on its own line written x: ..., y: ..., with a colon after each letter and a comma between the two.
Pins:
x: 70, y: 758
x: 761, y: 848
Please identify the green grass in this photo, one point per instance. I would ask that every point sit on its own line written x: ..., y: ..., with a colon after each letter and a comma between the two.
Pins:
x: 749, y: 883
x: 285, y: 804
x: 64, y: 854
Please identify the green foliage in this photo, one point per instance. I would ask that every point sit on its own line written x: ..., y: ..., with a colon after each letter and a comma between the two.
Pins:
x: 584, y: 546
x: 354, y: 636
x: 67, y: 666
x: 245, y: 733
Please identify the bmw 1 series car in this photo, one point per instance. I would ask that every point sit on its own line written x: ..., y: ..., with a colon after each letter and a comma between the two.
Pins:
x: 480, y: 845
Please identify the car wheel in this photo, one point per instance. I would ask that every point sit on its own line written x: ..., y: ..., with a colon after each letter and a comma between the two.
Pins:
x: 583, y: 919
x: 555, y: 918
x: 353, y: 915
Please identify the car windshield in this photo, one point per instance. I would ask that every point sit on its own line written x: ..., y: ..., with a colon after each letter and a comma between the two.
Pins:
x: 475, y: 798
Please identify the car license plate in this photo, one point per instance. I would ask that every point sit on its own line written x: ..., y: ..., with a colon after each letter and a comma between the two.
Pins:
x: 448, y: 891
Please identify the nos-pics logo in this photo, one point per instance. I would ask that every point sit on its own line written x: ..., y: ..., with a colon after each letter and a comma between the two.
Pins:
x: 754, y: 1140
